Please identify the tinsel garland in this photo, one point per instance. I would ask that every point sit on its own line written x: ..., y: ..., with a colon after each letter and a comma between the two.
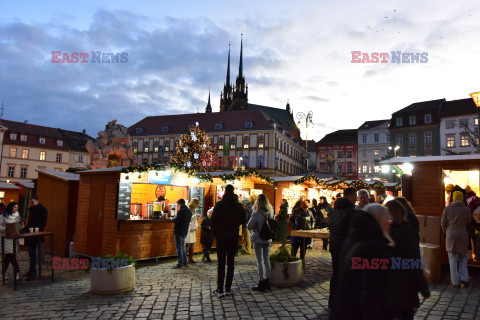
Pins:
x: 248, y: 174
x: 155, y: 167
x: 357, y: 184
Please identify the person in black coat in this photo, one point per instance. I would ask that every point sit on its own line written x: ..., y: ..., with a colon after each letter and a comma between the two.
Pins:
x: 411, y: 217
x: 339, y: 224
x: 227, y: 217
x: 360, y: 291
x: 206, y: 237
x: 37, y: 219
x: 403, y: 284
x: 180, y: 231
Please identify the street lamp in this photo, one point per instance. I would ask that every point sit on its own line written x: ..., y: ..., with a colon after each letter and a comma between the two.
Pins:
x: 308, y: 121
x: 394, y: 150
x: 476, y: 98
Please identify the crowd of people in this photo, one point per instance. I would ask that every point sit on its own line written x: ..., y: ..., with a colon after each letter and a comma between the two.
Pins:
x: 37, y: 218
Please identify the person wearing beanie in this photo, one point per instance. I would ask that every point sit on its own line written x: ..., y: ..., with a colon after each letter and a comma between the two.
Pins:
x: 454, y: 222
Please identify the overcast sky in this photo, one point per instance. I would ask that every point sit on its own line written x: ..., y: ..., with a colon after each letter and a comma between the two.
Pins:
x: 177, y: 50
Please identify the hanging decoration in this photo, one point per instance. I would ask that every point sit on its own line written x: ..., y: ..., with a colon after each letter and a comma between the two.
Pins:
x: 248, y: 174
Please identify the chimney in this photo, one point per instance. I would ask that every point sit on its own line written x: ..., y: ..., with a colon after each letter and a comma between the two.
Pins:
x: 84, y: 132
x: 25, y: 122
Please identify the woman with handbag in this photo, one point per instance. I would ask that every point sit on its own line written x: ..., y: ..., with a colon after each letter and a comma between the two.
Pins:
x: 262, y: 210
x: 10, y: 216
x: 192, y: 230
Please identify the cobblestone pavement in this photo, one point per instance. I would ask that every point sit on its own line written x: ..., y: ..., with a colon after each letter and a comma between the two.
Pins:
x: 165, y: 293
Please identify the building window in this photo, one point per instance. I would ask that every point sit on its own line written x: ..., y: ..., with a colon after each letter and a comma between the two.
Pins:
x: 450, y: 124
x: 155, y: 147
x: 340, y: 154
x: 450, y: 141
x: 11, y: 172
x: 364, y: 138
x: 376, y: 137
x: 24, y: 153
x: 248, y: 125
x: 167, y: 148
x: 376, y: 152
x: 400, y: 140
x: 13, y: 136
x: 80, y: 159
x: 364, y: 168
x: 388, y: 137
x: 428, y: 137
x: 23, y: 137
x: 59, y: 143
x: 43, y: 155
x: 59, y: 157
x: 13, y: 152
x: 260, y: 142
x: 349, y: 154
x: 220, y: 143
x: 339, y: 170
x: 476, y: 121
x: 349, y: 168
x: 413, y: 138
x: 428, y: 118
x: 463, y: 123
x: 412, y: 120
x: 369, y: 169
x: 245, y: 143
x: 376, y: 168
x: 23, y: 173
x: 145, y: 147
x: 165, y: 128
x: 399, y: 122
x: 464, y: 140
x: 233, y: 142
x: 42, y: 140
x: 322, y: 155
x: 218, y: 126
x: 139, y: 130
x: 135, y: 148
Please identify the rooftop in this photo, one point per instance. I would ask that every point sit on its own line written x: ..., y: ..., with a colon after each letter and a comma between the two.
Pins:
x: 367, y: 125
x: 340, y: 136
x: 423, y: 105
x: 458, y: 107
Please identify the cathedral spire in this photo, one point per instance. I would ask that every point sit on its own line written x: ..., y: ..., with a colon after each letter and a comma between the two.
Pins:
x: 228, y: 67
x: 208, y: 109
x: 240, y: 68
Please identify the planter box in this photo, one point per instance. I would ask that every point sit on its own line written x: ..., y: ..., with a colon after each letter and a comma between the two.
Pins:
x: 114, y: 281
x: 295, y: 272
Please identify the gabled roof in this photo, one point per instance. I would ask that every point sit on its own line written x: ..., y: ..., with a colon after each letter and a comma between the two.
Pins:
x: 68, y: 176
x: 367, y: 125
x: 458, y: 107
x: 178, y: 124
x: 423, y: 105
x: 76, y: 141
x: 340, y: 136
x: 281, y: 116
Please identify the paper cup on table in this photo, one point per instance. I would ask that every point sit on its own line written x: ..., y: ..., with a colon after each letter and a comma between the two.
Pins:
x: 37, y: 229
x: 31, y: 230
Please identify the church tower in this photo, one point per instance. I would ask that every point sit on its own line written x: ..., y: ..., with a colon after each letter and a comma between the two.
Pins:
x: 208, y: 109
x: 226, y: 94
x: 240, y: 93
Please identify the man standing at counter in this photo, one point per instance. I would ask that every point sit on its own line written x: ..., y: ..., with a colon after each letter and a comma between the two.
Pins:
x: 227, y: 217
x: 180, y: 231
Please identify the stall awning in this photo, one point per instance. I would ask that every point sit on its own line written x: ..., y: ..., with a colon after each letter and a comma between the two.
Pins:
x: 401, y: 160
x: 5, y: 185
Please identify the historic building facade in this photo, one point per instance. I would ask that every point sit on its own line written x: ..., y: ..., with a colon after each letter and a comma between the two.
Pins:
x: 373, y: 144
x: 27, y: 147
x: 337, y: 154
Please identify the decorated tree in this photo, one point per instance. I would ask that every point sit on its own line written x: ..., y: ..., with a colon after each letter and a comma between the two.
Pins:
x: 193, y: 151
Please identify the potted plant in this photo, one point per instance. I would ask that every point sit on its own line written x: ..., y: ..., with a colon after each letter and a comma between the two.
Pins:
x: 287, y: 271
x: 112, y: 274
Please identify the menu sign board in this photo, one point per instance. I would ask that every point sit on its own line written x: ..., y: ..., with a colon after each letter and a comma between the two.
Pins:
x: 124, y: 199
x: 199, y: 194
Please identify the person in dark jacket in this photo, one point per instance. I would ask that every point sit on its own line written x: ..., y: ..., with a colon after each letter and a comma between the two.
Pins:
x: 338, y: 225
x: 411, y: 216
x: 282, y: 220
x: 302, y: 219
x: 37, y: 219
x: 206, y: 236
x: 227, y: 217
x: 180, y: 231
x: 324, y: 210
x: 403, y: 284
x: 360, y: 291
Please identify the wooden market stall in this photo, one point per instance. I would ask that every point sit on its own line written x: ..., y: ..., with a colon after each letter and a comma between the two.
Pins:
x: 113, y: 213
x: 58, y: 193
x: 9, y: 192
x: 423, y: 184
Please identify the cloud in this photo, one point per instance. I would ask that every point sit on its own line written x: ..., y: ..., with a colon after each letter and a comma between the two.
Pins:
x: 316, y: 99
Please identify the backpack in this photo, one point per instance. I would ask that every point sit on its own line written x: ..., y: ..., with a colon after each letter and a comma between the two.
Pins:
x: 269, y: 229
